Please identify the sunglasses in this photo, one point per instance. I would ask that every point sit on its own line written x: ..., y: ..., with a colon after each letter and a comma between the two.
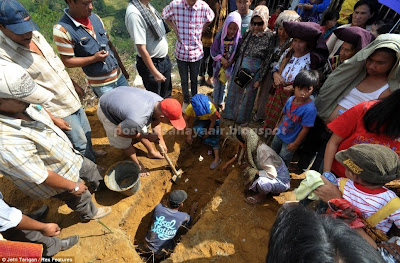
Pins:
x: 261, y: 23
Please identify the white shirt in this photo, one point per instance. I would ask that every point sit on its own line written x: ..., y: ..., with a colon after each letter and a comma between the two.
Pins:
x: 141, y: 33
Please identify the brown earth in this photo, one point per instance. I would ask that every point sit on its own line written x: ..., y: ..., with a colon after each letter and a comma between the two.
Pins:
x: 226, y: 228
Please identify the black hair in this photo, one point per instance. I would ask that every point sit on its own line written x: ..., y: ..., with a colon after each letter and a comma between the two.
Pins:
x: 384, y: 26
x: 306, y: 79
x: 173, y: 204
x: 373, y: 6
x: 330, y: 16
x: 384, y: 117
x: 71, y: 0
x: 280, y: 7
x: 300, y: 235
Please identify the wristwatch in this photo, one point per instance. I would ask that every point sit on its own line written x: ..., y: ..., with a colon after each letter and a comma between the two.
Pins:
x: 76, y: 188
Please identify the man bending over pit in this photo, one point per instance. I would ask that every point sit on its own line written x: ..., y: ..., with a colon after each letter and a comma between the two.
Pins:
x: 126, y: 113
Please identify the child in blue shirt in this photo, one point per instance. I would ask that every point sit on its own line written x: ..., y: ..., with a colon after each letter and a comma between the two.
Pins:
x: 298, y: 116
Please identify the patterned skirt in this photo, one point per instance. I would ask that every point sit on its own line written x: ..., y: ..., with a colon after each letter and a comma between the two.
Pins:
x: 240, y: 101
x: 274, y: 107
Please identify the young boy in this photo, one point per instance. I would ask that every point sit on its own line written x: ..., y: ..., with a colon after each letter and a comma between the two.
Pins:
x: 368, y: 168
x: 166, y: 222
x: 188, y: 19
x: 299, y: 115
x: 206, y: 124
x: 243, y: 8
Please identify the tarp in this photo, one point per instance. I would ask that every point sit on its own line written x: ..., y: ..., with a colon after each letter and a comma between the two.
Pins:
x: 393, y: 4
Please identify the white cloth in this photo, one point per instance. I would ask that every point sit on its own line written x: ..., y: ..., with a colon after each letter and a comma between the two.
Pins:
x: 115, y: 140
x: 9, y: 216
x: 356, y: 97
x: 294, y: 66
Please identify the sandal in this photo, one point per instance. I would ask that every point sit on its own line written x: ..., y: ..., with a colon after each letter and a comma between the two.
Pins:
x: 252, y: 201
x: 215, y: 164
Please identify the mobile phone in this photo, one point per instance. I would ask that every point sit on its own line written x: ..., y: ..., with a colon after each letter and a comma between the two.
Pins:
x: 103, y: 47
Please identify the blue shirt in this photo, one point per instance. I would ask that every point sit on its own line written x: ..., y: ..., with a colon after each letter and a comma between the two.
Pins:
x: 166, y: 222
x: 293, y: 121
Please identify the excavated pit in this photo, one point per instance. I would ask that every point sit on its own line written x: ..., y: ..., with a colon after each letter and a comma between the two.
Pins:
x: 226, y: 228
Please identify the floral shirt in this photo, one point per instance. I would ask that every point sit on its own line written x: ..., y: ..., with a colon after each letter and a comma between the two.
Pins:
x: 260, y: 47
x: 294, y: 66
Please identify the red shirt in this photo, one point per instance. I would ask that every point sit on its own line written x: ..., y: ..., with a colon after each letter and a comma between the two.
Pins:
x: 271, y: 21
x: 350, y: 126
x: 85, y: 21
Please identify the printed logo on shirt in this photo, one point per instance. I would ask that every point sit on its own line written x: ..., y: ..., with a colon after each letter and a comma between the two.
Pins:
x: 164, y: 229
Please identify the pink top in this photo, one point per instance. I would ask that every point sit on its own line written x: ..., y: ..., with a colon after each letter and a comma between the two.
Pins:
x: 189, y: 22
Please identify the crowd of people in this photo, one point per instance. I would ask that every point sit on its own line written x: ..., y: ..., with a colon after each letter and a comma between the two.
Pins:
x: 328, y: 92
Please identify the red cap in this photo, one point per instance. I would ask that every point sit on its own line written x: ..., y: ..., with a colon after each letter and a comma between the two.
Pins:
x: 172, y: 109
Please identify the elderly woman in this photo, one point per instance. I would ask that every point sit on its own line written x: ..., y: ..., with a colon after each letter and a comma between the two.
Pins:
x: 282, y: 42
x: 354, y: 39
x: 254, y: 54
x: 308, y: 51
x: 363, y: 16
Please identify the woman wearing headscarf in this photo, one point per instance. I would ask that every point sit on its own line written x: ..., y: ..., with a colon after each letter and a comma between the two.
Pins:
x: 266, y: 172
x: 254, y: 54
x: 373, y: 73
x: 282, y: 42
x: 308, y: 51
x: 354, y: 39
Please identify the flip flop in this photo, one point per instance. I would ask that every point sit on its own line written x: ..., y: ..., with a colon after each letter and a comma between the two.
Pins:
x: 215, y: 165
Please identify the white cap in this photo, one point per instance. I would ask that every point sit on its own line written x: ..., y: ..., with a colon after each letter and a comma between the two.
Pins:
x: 16, y: 83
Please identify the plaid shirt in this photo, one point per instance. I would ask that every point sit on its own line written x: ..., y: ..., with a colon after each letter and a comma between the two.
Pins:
x: 47, y: 71
x: 189, y: 22
x: 28, y: 149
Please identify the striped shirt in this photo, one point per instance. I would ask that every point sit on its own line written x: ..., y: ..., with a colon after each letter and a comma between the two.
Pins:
x: 369, y: 201
x: 189, y: 22
x: 47, y: 70
x: 65, y: 46
x: 29, y: 149
x: 9, y: 216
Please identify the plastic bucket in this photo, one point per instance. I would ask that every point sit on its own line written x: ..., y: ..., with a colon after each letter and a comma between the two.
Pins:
x: 123, y: 177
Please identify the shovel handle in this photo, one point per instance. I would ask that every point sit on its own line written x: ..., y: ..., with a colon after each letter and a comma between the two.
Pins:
x: 168, y: 160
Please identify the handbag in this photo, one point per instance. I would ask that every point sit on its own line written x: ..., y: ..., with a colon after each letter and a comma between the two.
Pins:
x: 244, y: 75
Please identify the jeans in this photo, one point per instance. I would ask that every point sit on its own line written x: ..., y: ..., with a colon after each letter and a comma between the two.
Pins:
x: 101, y: 90
x: 280, y: 147
x: 80, y: 133
x: 219, y: 92
x: 163, y: 65
x: 206, y: 63
x: 185, y: 68
x: 51, y: 245
x: 83, y: 204
x: 201, y: 126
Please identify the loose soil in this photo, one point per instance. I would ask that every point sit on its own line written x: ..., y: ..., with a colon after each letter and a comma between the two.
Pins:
x: 226, y: 228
